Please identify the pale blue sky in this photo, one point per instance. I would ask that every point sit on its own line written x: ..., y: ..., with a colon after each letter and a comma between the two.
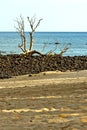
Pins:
x: 58, y: 15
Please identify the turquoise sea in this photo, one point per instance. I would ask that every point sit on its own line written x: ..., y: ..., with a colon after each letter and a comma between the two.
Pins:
x: 45, y: 42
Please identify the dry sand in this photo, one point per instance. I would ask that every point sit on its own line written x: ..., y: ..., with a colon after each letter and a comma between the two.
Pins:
x: 45, y: 101
x: 45, y: 78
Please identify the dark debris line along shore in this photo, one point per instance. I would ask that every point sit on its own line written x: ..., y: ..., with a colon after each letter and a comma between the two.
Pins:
x: 14, y: 65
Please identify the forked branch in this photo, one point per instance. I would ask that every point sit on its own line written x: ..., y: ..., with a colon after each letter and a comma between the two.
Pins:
x: 32, y: 23
x: 33, y: 28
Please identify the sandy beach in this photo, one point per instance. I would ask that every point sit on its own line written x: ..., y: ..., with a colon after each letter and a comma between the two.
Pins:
x: 51, y: 100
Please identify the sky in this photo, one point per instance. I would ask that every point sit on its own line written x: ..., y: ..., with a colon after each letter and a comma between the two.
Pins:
x: 58, y: 15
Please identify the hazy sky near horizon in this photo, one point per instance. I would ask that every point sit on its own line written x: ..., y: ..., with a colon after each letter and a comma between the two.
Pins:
x: 58, y: 15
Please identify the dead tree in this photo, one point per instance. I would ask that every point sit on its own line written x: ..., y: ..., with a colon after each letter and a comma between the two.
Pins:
x: 20, y: 29
x: 33, y: 25
x: 33, y: 28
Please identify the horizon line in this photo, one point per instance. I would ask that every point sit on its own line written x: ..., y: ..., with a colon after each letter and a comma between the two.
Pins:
x: 47, y: 31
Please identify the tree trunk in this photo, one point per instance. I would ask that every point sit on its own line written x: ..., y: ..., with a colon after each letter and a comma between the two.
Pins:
x: 24, y: 43
x: 31, y: 41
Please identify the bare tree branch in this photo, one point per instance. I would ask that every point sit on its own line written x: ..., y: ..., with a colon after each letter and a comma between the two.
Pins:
x: 33, y: 28
x: 65, y: 49
x: 32, y: 22
x: 37, y: 24
x: 20, y: 29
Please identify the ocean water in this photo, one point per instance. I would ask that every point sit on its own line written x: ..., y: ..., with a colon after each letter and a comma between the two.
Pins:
x: 46, y: 42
